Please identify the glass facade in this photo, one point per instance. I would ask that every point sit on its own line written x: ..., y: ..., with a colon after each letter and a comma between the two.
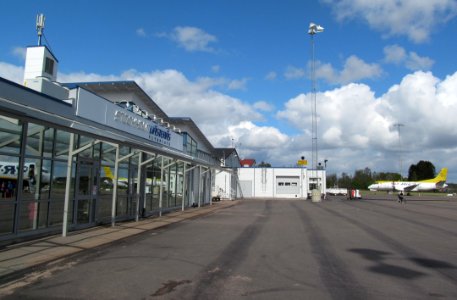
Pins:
x: 33, y: 180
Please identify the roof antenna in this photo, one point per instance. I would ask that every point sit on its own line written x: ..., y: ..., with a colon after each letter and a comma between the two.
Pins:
x: 40, y: 26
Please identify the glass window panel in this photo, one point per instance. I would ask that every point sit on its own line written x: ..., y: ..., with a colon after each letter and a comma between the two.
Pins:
x: 121, y: 204
x: 59, y: 179
x: 43, y: 214
x: 31, y: 179
x: 179, y: 184
x: 28, y: 215
x: 124, y: 150
x: 45, y: 179
x: 105, y: 198
x: 96, y: 152
x: 166, y: 187
x: 10, y: 135
x: 35, y: 140
x: 9, y: 173
x: 48, y: 142
x: 108, y: 154
x: 56, y: 213
x: 6, y: 217
x: 62, y: 143
x: 84, y: 141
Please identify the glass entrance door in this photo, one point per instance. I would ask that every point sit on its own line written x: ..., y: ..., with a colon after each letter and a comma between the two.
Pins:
x: 87, y: 181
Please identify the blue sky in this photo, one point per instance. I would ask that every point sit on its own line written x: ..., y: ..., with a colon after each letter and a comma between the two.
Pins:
x: 241, y: 70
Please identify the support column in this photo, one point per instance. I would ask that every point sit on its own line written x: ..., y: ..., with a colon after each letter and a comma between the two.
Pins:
x: 161, y: 188
x: 67, y: 186
x: 140, y: 159
x: 199, y: 185
x: 183, y: 187
x: 211, y: 187
x: 113, y: 204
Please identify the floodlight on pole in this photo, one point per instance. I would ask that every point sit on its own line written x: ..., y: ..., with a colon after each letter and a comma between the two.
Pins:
x: 312, y: 30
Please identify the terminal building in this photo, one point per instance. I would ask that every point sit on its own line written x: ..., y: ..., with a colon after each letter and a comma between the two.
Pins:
x: 77, y: 155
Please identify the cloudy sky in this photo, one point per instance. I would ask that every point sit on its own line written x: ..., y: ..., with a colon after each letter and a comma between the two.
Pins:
x: 241, y: 70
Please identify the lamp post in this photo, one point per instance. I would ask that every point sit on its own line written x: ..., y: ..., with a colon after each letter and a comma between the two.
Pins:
x: 399, y: 125
x: 312, y: 30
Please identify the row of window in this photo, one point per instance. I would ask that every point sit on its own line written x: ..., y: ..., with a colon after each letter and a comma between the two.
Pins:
x: 287, y: 184
x: 33, y: 178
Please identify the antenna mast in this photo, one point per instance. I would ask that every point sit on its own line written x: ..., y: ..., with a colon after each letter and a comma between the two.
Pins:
x: 40, y: 26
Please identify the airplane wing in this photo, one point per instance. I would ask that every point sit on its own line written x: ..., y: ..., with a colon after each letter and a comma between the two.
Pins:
x: 409, y: 188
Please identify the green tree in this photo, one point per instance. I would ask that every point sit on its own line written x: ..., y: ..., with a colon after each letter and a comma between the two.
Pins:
x: 345, y: 181
x: 387, y: 176
x: 264, y: 165
x: 362, y: 178
x: 332, y: 180
x: 422, y: 170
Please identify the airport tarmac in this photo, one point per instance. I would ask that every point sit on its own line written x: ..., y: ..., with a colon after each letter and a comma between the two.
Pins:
x: 373, y: 248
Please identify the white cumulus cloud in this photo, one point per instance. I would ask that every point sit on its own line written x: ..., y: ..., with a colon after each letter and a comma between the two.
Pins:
x: 354, y: 69
x: 193, y: 38
x: 356, y: 129
x: 398, y: 55
x: 412, y: 18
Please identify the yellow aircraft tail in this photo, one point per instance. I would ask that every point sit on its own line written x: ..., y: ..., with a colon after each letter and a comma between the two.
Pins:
x: 441, y: 177
x: 108, y: 172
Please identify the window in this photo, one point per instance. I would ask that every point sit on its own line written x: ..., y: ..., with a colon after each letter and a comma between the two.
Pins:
x: 190, y: 145
x: 49, y: 66
x: 10, y: 135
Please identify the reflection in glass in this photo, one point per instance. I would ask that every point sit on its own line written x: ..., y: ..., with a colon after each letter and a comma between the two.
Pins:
x: 6, y: 217
x: 9, y: 171
x: 10, y: 135
x: 62, y: 142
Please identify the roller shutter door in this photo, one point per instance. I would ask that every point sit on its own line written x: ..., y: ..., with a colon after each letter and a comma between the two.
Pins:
x: 288, y: 185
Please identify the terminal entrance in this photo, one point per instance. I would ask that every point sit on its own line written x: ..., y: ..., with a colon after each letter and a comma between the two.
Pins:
x: 87, y: 183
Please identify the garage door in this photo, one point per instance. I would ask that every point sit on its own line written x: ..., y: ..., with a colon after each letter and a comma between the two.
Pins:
x: 246, y: 188
x: 288, y: 185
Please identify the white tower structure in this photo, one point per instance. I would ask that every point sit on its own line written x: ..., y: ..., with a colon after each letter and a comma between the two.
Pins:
x: 40, y: 72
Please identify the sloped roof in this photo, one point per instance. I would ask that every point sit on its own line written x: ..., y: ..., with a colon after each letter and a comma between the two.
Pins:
x: 189, y: 122
x: 121, y: 86
x: 248, y: 161
x: 225, y: 152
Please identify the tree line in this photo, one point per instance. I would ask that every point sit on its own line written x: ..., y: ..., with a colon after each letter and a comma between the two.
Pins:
x: 361, y: 179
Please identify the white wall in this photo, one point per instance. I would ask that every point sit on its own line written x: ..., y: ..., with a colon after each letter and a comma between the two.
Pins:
x: 264, y: 182
x: 225, y: 184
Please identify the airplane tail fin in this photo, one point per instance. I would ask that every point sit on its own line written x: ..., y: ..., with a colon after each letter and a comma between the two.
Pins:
x: 108, y: 172
x: 441, y: 177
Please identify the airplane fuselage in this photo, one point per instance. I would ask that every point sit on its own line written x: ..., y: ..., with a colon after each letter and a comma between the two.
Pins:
x: 410, y: 186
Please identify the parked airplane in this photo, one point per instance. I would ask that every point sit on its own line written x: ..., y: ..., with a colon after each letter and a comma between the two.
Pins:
x: 9, y: 171
x: 436, y: 183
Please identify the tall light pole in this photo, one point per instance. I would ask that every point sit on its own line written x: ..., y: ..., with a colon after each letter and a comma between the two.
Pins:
x: 313, y: 29
x: 398, y: 126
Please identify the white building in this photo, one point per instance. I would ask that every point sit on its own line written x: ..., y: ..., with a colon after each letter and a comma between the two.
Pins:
x: 280, y: 182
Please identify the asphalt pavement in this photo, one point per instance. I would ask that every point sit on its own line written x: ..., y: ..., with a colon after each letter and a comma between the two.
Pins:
x: 19, y: 259
x: 270, y: 249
